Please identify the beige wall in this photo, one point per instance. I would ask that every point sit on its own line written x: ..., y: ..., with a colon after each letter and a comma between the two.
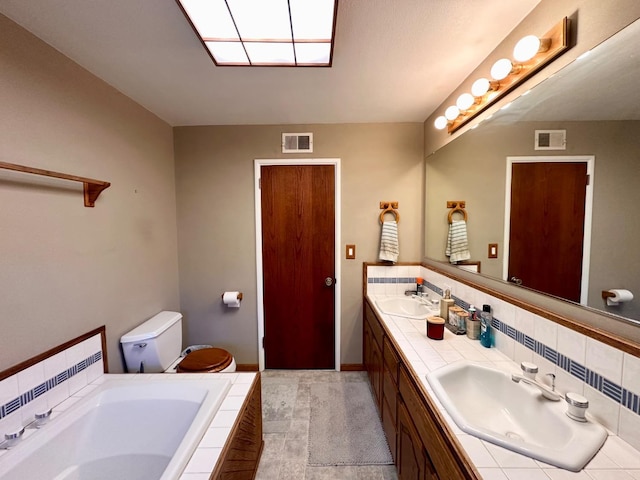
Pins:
x: 216, y: 218
x: 66, y: 269
x: 473, y: 168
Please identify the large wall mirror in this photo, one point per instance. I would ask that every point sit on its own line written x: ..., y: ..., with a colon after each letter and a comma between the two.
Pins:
x: 596, y: 100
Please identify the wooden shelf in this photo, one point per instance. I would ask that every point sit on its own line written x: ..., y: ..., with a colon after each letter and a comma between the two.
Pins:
x: 92, y: 188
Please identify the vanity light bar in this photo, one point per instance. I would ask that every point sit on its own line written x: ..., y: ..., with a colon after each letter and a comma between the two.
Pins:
x: 507, y: 74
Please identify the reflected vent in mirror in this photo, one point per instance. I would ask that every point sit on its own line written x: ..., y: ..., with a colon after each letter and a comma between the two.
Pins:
x: 551, y: 140
x: 297, y: 142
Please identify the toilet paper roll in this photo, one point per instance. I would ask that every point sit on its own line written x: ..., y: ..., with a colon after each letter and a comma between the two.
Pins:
x: 232, y: 299
x: 620, y: 295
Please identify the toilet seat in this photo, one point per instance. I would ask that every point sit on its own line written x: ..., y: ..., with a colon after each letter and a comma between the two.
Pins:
x: 206, y: 360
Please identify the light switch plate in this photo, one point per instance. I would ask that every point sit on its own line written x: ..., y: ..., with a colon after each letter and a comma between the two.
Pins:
x: 493, y: 250
x: 350, y: 252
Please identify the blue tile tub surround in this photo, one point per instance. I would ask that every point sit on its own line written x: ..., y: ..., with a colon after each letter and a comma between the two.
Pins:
x: 605, y: 386
x: 49, y: 384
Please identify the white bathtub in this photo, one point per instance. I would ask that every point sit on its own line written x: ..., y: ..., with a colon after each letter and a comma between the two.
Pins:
x: 125, y: 429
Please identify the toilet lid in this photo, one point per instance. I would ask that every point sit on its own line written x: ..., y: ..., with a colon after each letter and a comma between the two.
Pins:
x: 205, y: 360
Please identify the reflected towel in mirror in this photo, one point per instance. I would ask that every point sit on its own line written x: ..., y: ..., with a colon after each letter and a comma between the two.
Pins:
x: 457, y: 246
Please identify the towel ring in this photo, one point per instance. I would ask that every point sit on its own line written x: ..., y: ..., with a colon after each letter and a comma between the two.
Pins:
x: 390, y: 210
x: 457, y: 209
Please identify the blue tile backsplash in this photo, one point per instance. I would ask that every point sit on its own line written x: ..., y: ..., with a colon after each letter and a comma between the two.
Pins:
x: 28, y: 396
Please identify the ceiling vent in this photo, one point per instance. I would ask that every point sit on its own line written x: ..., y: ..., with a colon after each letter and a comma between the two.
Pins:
x: 297, y: 142
x: 551, y: 140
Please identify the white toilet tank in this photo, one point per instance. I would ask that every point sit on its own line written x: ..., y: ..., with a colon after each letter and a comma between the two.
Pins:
x: 154, y: 345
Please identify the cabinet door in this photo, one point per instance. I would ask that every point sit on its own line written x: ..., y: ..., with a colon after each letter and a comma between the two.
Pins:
x: 376, y: 374
x: 412, y: 459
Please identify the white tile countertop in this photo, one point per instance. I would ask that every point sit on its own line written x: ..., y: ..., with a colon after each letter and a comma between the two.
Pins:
x: 205, y: 457
x: 616, y: 460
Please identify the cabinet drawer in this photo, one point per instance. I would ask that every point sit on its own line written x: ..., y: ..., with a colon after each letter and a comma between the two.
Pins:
x: 391, y: 359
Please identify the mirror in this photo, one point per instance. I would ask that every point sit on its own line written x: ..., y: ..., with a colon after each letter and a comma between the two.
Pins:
x: 596, y: 100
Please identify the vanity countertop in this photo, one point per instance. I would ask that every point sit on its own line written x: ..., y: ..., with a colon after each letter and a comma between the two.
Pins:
x: 616, y: 460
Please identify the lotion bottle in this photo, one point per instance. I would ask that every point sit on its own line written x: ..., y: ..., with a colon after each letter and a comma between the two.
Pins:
x: 445, y: 303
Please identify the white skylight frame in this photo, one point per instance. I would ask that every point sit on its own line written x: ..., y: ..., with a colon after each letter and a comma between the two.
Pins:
x: 275, y: 33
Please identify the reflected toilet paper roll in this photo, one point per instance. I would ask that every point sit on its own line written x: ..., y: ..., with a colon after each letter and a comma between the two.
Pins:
x: 620, y: 295
x: 232, y: 299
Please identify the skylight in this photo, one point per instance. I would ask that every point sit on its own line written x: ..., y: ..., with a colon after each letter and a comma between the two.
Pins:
x: 279, y: 33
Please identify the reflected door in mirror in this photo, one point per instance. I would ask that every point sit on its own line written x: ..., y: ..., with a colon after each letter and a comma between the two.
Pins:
x: 547, y: 226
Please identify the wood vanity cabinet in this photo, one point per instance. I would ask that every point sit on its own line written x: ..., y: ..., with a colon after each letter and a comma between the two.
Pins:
x: 421, y: 445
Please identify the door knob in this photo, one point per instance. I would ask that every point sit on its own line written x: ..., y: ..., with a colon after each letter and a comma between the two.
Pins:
x: 328, y: 281
x: 516, y: 280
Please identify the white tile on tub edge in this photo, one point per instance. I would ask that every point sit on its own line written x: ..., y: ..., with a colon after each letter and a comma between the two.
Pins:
x: 224, y: 418
x: 244, y: 377
x: 215, y: 437
x: 631, y: 373
x: 195, y: 476
x: 509, y: 459
x: 634, y: 474
x: 605, y: 360
x: 232, y: 403
x: 203, y: 460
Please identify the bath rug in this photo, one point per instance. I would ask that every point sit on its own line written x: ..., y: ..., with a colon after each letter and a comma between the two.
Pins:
x: 344, y: 427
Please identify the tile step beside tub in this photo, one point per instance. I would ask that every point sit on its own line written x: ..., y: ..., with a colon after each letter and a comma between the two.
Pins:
x: 151, y: 426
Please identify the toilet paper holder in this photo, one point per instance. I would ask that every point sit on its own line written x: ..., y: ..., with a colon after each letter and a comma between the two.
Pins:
x: 616, y: 296
x: 239, y: 296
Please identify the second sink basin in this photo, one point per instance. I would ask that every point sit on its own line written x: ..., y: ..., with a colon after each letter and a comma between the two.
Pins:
x: 408, y: 307
x: 486, y: 403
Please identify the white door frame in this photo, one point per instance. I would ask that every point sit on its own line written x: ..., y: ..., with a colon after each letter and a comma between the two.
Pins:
x: 258, y: 163
x: 588, y: 212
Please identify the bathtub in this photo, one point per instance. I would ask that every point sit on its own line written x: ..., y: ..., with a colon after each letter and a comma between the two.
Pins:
x: 142, y: 429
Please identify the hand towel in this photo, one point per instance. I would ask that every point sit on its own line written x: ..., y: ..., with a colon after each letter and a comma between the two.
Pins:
x: 457, y: 246
x: 389, y: 247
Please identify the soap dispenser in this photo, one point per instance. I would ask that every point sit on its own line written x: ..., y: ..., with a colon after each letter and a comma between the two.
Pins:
x: 445, y: 303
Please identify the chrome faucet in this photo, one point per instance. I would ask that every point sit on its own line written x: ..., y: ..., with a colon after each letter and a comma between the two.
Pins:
x: 529, y: 377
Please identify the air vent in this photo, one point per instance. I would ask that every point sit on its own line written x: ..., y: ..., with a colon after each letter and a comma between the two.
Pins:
x: 551, y: 140
x: 297, y: 142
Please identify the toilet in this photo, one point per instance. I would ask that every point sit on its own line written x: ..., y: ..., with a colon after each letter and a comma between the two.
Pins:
x: 155, y: 346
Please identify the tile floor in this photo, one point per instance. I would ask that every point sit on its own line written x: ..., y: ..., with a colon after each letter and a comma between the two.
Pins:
x: 285, y: 416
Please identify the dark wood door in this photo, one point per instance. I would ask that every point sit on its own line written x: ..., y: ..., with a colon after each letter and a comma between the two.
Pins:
x: 547, y: 226
x: 298, y: 254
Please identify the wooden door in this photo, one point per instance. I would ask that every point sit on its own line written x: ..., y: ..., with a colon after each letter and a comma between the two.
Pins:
x: 298, y: 254
x: 547, y: 226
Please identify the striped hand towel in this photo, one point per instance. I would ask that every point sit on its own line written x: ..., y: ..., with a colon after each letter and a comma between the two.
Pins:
x: 457, y: 246
x: 389, y: 247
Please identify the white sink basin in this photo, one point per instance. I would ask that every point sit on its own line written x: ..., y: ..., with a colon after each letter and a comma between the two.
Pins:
x: 486, y: 403
x: 408, y: 307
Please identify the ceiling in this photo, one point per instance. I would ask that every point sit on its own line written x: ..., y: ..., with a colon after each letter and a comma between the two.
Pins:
x: 394, y: 60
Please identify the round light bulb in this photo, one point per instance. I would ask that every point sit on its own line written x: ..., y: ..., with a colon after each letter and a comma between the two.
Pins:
x: 501, y: 69
x: 526, y: 48
x: 465, y: 101
x: 452, y: 112
x: 441, y: 122
x: 480, y: 87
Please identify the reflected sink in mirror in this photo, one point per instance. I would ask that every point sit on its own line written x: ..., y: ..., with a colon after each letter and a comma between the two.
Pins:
x: 404, y: 306
x: 486, y: 403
